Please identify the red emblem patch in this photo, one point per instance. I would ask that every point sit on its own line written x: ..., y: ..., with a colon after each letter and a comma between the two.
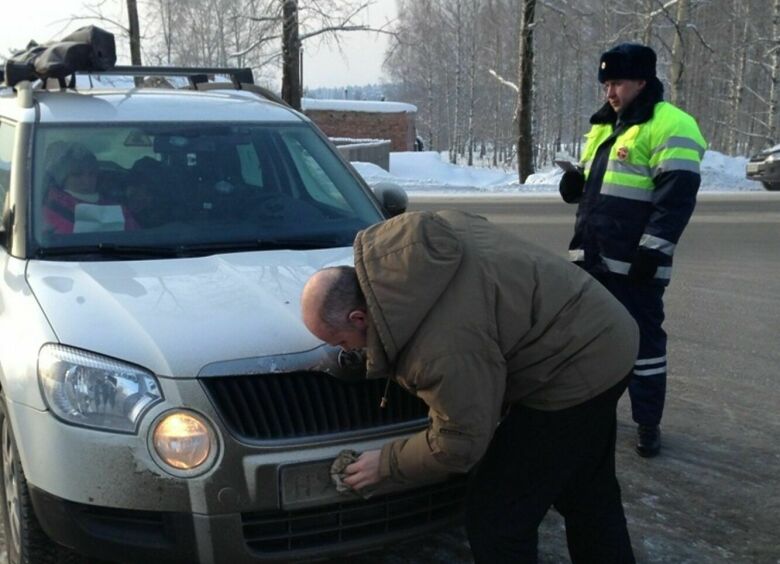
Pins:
x: 622, y: 153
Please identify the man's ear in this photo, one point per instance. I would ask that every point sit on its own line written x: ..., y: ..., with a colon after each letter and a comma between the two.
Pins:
x: 357, y: 318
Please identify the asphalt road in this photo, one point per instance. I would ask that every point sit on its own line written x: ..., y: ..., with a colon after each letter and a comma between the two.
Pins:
x: 713, y: 495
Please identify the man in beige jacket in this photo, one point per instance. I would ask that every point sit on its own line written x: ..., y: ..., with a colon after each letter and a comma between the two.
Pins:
x: 521, y: 358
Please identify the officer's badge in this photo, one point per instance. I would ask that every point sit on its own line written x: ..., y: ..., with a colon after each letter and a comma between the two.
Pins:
x: 622, y: 153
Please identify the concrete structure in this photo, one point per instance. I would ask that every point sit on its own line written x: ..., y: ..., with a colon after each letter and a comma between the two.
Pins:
x: 376, y: 151
x: 359, y: 119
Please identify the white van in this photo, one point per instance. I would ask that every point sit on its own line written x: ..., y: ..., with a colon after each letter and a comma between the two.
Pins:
x: 161, y: 400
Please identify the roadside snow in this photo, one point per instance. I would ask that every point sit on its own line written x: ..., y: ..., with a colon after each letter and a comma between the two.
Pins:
x: 358, y: 106
x: 429, y: 172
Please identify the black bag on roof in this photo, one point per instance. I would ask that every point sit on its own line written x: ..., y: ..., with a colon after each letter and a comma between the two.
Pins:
x: 86, y: 49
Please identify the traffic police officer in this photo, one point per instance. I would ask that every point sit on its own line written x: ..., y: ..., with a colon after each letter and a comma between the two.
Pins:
x: 636, y: 188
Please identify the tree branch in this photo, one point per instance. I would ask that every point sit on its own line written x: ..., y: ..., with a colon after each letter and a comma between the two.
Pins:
x: 503, y: 81
x: 329, y: 29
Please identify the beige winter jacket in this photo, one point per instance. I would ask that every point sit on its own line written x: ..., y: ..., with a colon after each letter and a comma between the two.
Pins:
x: 471, y: 318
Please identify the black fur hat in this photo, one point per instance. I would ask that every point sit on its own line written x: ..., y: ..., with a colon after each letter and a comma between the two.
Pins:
x: 630, y: 61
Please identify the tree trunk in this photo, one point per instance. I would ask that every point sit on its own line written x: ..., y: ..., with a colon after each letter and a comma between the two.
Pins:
x: 774, y: 75
x: 525, y: 70
x: 291, y: 57
x: 472, y: 79
x: 647, y: 34
x: 497, y: 107
x: 736, y: 88
x: 678, y: 55
x: 456, y: 140
x: 135, y: 38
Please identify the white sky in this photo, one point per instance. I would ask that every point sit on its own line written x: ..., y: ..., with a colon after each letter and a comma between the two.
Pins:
x: 360, y: 61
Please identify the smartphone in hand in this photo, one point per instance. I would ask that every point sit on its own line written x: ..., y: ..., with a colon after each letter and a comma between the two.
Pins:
x: 567, y: 166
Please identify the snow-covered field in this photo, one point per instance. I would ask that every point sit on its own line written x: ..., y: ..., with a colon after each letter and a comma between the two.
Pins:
x: 430, y: 173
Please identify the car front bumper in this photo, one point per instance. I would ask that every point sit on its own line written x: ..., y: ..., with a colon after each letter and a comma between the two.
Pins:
x: 104, y: 495
x: 764, y: 171
x: 130, y: 536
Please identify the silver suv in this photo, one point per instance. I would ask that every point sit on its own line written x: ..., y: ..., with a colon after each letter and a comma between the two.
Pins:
x: 161, y: 400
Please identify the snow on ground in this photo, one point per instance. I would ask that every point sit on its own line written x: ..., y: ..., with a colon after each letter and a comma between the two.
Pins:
x: 357, y: 106
x: 429, y: 173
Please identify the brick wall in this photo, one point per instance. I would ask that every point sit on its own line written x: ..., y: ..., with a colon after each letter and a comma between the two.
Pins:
x: 397, y: 127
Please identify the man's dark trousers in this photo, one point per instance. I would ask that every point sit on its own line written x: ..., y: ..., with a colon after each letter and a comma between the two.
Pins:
x: 539, y: 459
x: 644, y: 301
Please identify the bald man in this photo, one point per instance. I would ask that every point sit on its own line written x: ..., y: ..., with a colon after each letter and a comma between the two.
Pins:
x: 521, y: 358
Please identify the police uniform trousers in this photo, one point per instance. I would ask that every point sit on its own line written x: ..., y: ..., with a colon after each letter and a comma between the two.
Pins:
x: 644, y: 301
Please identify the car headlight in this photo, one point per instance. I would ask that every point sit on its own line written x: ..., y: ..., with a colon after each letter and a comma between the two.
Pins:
x: 94, y: 391
x: 183, y: 443
x: 772, y: 157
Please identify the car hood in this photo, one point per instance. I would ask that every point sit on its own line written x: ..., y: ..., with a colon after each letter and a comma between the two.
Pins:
x: 176, y: 316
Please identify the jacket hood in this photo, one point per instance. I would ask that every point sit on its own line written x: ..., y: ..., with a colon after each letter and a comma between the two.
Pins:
x: 403, y: 266
x: 639, y: 110
x: 177, y: 316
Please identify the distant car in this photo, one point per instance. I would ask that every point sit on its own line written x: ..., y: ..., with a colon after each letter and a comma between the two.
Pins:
x: 765, y: 168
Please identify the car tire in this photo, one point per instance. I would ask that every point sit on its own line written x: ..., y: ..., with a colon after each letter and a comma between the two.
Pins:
x: 25, y: 541
x: 772, y: 187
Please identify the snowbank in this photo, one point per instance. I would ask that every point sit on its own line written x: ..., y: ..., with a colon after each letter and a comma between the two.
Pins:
x: 429, y: 172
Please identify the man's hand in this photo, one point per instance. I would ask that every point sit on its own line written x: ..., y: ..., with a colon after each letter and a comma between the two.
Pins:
x: 571, y: 186
x: 644, y: 266
x: 364, y: 472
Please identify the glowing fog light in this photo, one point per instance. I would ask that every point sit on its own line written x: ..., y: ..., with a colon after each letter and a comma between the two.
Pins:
x: 184, y: 441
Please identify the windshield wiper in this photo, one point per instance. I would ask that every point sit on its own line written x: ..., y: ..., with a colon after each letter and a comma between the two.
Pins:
x: 196, y: 249
x: 109, y: 250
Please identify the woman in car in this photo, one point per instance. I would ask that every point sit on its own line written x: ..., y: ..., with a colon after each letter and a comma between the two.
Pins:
x: 73, y: 203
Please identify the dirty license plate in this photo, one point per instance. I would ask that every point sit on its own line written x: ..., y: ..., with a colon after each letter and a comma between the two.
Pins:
x: 305, y: 485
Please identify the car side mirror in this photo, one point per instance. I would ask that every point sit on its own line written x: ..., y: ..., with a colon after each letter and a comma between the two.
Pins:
x: 392, y: 197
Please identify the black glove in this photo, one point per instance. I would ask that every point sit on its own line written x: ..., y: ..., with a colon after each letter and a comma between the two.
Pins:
x: 644, y: 265
x: 571, y: 186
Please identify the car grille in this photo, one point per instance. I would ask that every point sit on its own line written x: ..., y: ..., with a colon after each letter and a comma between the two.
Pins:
x: 344, y: 523
x: 305, y: 404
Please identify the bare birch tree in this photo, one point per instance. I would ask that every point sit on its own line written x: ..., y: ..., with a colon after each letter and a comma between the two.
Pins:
x: 774, y: 74
x: 525, y: 77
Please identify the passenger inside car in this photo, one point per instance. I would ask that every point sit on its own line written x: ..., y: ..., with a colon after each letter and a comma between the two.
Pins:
x: 145, y: 197
x: 73, y: 203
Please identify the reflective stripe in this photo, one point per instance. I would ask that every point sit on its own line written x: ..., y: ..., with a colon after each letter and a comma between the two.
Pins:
x: 663, y: 273
x: 628, y: 179
x: 677, y: 164
x: 627, y: 192
x: 650, y: 372
x: 616, y: 265
x: 680, y: 143
x: 622, y: 166
x: 576, y: 255
x: 621, y: 267
x: 646, y: 361
x: 657, y: 244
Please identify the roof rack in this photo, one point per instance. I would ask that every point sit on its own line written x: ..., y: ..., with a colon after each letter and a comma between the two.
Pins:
x: 195, y: 75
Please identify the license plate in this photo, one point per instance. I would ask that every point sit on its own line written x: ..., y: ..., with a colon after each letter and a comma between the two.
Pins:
x: 305, y: 485
x: 752, y: 167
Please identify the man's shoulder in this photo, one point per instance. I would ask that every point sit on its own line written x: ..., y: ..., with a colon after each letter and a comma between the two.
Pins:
x: 666, y: 113
x: 671, y: 121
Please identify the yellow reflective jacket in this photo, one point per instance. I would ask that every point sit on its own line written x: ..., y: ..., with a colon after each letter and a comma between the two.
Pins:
x: 642, y: 176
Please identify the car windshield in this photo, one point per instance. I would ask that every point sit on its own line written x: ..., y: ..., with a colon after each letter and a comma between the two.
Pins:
x: 165, y: 189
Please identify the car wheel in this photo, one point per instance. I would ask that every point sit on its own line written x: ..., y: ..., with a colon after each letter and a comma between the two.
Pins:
x: 25, y: 541
x: 769, y: 186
